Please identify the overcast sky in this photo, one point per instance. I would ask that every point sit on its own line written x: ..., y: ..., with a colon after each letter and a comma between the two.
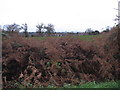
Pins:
x: 65, y: 15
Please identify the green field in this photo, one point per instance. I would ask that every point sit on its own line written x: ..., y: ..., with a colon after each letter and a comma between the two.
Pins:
x: 39, y: 38
x: 87, y: 37
x: 83, y: 37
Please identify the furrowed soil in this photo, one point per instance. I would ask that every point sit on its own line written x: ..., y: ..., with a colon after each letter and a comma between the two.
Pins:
x: 59, y: 61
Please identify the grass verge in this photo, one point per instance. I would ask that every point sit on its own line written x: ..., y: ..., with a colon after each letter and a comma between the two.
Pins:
x: 110, y: 84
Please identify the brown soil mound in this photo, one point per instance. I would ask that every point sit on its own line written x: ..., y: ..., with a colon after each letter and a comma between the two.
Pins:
x: 60, y: 60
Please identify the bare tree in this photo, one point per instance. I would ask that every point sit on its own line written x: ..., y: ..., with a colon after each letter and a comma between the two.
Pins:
x: 25, y: 27
x: 50, y: 29
x: 12, y: 27
x: 89, y: 31
x: 40, y: 28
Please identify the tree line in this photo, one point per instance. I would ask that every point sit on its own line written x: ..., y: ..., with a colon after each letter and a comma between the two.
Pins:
x: 41, y: 28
